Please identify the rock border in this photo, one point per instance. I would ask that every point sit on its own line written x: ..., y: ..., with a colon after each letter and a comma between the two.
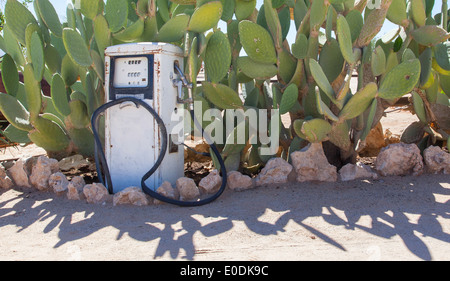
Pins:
x: 309, y: 164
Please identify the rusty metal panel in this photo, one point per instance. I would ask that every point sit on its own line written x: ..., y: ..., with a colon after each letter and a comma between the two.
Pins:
x: 132, y: 139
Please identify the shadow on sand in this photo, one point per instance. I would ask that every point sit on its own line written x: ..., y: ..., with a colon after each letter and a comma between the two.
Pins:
x: 388, y: 202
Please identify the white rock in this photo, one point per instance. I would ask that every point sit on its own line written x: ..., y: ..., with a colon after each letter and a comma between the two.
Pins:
x: 73, y: 162
x: 167, y: 191
x: 276, y: 170
x: 359, y: 171
x: 5, y: 181
x: 239, y: 182
x: 311, y: 164
x: 399, y: 159
x: 42, y: 171
x: 96, y: 193
x: 75, y: 188
x: 130, y: 196
x: 187, y: 188
x: 211, y: 183
x: 437, y: 160
x: 19, y: 174
x: 58, y: 182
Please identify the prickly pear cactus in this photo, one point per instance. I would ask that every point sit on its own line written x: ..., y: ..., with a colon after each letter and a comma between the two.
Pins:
x: 249, y: 63
x: 60, y: 54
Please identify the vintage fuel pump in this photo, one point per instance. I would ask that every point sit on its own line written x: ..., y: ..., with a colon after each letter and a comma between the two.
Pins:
x: 143, y: 87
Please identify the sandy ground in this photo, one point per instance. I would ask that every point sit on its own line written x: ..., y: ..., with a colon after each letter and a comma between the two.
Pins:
x: 392, y: 218
x: 395, y: 218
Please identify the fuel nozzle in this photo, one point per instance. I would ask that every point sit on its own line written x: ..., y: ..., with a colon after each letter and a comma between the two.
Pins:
x: 180, y: 83
x: 186, y: 83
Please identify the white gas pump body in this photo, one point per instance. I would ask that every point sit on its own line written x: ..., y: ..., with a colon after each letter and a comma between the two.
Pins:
x: 132, y: 137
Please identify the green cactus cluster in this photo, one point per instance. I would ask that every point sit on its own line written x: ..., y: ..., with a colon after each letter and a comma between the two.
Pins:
x: 42, y: 48
x: 309, y: 79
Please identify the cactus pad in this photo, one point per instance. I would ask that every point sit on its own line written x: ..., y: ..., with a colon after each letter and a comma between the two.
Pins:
x: 256, y: 70
x: 370, y: 119
x: 33, y: 92
x: 244, y: 8
x: 50, y: 17
x: 17, y: 18
x: 288, y: 99
x: 318, y: 14
x: 430, y: 35
x: 37, y: 56
x: 52, y: 59
x: 340, y: 136
x: 426, y: 74
x: 132, y: 32
x: 78, y: 117
x: 102, y: 33
x: 419, y: 108
x: 10, y: 76
x: 272, y: 21
x: 217, y: 57
x: 150, y: 29
x: 413, y: 133
x: 257, y: 42
x: 355, y: 22
x: 397, y: 12
x: 184, y: 2
x: 206, y: 17
x: 83, y: 140
x: 378, y: 61
x: 300, y: 47
x: 69, y: 71
x: 323, y: 108
x: 408, y: 54
x: 59, y: 95
x: 228, y: 10
x: 331, y: 59
x: 315, y: 130
x: 321, y: 79
x: 15, y: 135
x: 15, y: 112
x: 222, y: 96
x: 31, y: 28
x: 418, y: 12
x: 345, y: 39
x: 48, y: 135
x: 441, y: 59
x: 76, y: 47
x: 400, y: 80
x: 359, y: 102
x: 116, y: 13
x: 373, y: 22
x: 90, y: 8
x: 174, y: 29
x: 287, y: 66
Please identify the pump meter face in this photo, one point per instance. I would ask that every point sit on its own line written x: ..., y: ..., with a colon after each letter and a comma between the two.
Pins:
x: 132, y: 76
x: 131, y: 72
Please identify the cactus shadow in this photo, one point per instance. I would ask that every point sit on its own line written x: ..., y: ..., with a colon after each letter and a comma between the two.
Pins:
x: 408, y: 208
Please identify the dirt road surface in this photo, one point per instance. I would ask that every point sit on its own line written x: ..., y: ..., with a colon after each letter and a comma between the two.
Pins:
x: 393, y: 218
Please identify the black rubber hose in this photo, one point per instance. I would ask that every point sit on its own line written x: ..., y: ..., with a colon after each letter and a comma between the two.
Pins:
x: 100, y: 158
